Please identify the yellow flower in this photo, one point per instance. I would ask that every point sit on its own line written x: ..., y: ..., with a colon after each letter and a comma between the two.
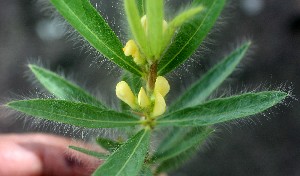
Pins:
x: 162, y: 86
x: 159, y: 105
x: 131, y: 49
x: 143, y: 99
x: 125, y: 94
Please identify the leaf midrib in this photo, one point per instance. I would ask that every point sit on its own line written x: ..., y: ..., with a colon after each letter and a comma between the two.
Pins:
x: 88, y: 120
x: 135, y: 148
x: 189, y: 119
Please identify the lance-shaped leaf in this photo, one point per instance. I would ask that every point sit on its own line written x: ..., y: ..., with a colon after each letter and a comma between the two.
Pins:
x: 200, y: 90
x: 135, y: 24
x: 190, y: 35
x: 179, y: 153
x: 155, y: 17
x: 89, y: 152
x: 129, y: 158
x: 190, y: 140
x: 108, y: 144
x: 91, y: 25
x: 73, y: 113
x: 178, y: 21
x: 61, y: 88
x: 223, y: 109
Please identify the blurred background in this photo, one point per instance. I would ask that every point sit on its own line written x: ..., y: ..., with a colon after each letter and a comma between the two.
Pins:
x: 267, y: 146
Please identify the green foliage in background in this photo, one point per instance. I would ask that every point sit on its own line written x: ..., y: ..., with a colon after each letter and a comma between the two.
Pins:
x: 156, y: 48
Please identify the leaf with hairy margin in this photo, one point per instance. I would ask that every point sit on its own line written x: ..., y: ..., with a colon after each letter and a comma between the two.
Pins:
x: 191, y: 139
x: 108, y: 144
x: 62, y: 88
x: 200, y: 90
x: 190, y: 35
x: 223, y: 109
x: 183, y: 150
x: 91, y: 25
x: 89, y: 152
x: 128, y: 159
x: 73, y: 113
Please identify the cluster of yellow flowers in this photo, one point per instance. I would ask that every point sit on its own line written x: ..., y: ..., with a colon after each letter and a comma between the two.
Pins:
x: 153, y: 104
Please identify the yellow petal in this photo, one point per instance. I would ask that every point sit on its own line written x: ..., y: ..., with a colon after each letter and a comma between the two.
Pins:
x: 162, y: 86
x: 130, y: 48
x: 143, y: 99
x: 125, y: 94
x: 138, y: 59
x: 159, y: 105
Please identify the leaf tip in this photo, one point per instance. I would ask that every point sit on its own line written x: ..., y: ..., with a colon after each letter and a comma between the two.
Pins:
x: 7, y: 104
x: 281, y: 95
x: 32, y: 67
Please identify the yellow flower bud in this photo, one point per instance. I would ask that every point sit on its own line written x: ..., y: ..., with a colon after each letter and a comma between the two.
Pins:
x: 125, y: 94
x: 138, y: 59
x: 162, y: 86
x: 159, y: 105
x: 143, y: 99
x: 131, y: 49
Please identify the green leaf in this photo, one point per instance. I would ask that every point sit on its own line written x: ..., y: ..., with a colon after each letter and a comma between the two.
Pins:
x: 155, y: 17
x: 73, y: 113
x: 108, y: 144
x: 89, y: 152
x: 61, y: 88
x: 174, y: 137
x: 146, y: 171
x: 91, y: 25
x: 200, y: 90
x: 223, y: 109
x: 135, y: 24
x: 190, y: 35
x: 141, y: 7
x: 180, y: 19
x: 183, y: 150
x: 128, y: 159
x: 190, y: 140
x: 175, y: 162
